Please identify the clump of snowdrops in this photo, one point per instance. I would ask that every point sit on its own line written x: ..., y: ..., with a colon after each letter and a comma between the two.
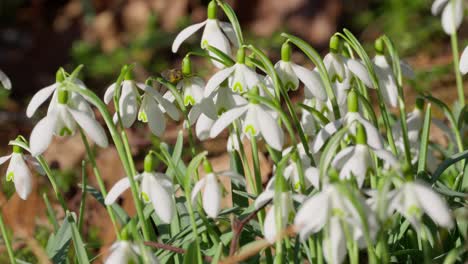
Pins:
x: 355, y: 178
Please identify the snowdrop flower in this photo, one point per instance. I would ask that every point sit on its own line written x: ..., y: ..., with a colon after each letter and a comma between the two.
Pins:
x: 350, y: 120
x: 330, y: 209
x: 152, y: 108
x: 52, y: 90
x: 18, y: 172
x: 5, y: 81
x: 212, y: 195
x: 241, y: 77
x: 285, y: 204
x: 156, y: 188
x: 355, y: 161
x: 387, y: 82
x: 452, y: 14
x: 464, y: 61
x: 69, y: 111
x: 291, y: 73
x: 124, y: 252
x: 206, y: 111
x: 256, y: 119
x: 216, y: 34
x: 413, y: 199
x: 291, y: 171
x: 191, y: 86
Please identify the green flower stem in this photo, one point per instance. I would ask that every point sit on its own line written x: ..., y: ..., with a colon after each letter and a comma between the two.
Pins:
x: 97, y: 174
x: 96, y: 101
x: 7, y: 241
x: 48, y: 172
x: 456, y: 67
x: 84, y: 183
x: 256, y: 166
x: 318, y: 241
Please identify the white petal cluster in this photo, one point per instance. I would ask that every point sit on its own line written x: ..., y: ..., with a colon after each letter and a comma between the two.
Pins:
x: 152, y: 108
x: 212, y: 191
x: 156, y: 188
x: 125, y: 252
x: 464, y: 61
x: 19, y: 173
x: 63, y: 119
x: 331, y: 210
x: 452, y: 14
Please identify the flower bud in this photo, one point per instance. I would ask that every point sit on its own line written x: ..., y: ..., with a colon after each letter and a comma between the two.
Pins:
x: 207, y: 166
x: 211, y: 10
x: 286, y: 52
x: 186, y: 66
x: 353, y: 105
x: 379, y: 46
x: 60, y: 75
x: 335, y: 44
x: 149, y: 163
x: 17, y: 149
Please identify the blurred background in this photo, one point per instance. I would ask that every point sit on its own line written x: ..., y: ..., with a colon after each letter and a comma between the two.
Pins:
x: 39, y: 36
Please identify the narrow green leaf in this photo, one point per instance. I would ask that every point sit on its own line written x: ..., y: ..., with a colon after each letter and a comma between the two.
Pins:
x: 234, y: 21
x: 80, y: 248
x: 447, y: 163
x: 424, y: 143
x: 221, y: 56
x: 59, y: 242
x: 192, y: 254
x: 329, y: 152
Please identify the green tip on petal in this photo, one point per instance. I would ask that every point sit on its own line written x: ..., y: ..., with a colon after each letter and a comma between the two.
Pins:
x: 207, y: 166
x: 249, y: 129
x: 237, y: 87
x: 361, y: 137
x: 335, y: 44
x: 353, y: 105
x: 149, y: 163
x: 65, y: 132
x: 286, y: 51
x: 189, y: 100
x: 145, y: 197
x: 211, y: 10
x: 420, y: 103
x: 379, y: 46
x: 241, y: 55
x: 10, y: 176
x: 142, y: 117
x: 186, y: 66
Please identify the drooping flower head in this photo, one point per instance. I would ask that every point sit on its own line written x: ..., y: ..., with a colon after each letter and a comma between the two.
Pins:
x: 452, y: 14
x: 217, y: 34
x: 18, y: 172
x: 155, y: 188
x: 125, y: 252
x: 67, y: 111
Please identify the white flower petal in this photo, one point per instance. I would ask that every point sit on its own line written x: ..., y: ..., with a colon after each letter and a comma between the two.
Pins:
x: 228, y: 29
x: 39, y: 98
x: 185, y: 34
x: 386, y: 79
x: 159, y: 196
x: 216, y: 80
x: 5, y: 81
x: 312, y: 82
x: 437, y: 6
x: 433, y: 205
x: 269, y: 227
x: 312, y: 175
x: 42, y: 133
x: 203, y: 127
x: 452, y: 16
x: 156, y: 119
x: 334, y: 244
x: 387, y: 157
x: 406, y: 70
x: 91, y: 127
x: 109, y: 94
x: 212, y: 35
x: 167, y: 105
x: 374, y: 139
x: 119, y: 187
x: 342, y: 157
x: 269, y: 128
x: 212, y: 196
x: 4, y: 159
x: 22, y: 176
x: 360, y: 71
x: 464, y: 61
x: 226, y: 119
x: 128, y: 104
x: 196, y: 189
x: 263, y: 198
x: 327, y: 131
x: 250, y: 76
x: 313, y: 215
